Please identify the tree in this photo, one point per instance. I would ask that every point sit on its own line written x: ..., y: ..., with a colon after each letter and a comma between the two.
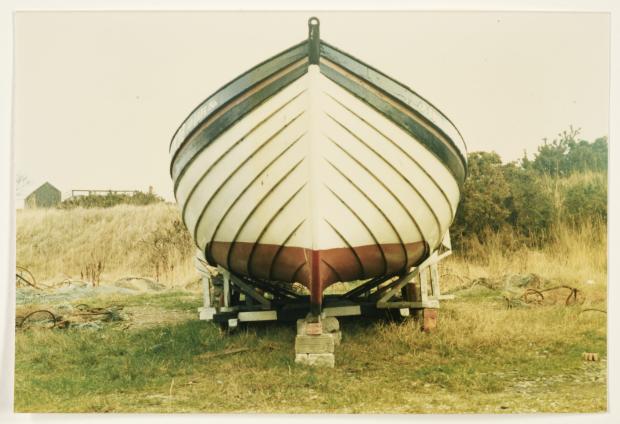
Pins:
x: 567, y: 155
x: 584, y: 156
x: 551, y: 157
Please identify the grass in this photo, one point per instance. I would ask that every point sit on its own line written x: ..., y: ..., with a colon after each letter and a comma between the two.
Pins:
x: 575, y: 254
x: 533, y: 364
x: 148, y: 241
x: 482, y: 358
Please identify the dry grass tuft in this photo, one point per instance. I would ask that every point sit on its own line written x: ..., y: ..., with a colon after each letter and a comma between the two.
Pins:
x: 573, y: 255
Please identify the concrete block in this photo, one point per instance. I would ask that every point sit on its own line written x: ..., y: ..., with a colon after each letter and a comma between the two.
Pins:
x: 314, y: 328
x: 301, y: 326
x: 323, y: 343
x: 206, y: 314
x: 309, y: 328
x: 326, y: 360
x: 337, y: 336
x: 330, y: 324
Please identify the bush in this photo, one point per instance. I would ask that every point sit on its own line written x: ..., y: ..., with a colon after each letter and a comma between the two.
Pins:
x: 586, y: 200
x: 530, y: 204
x: 483, y: 198
x: 165, y: 246
x: 564, y: 183
x: 111, y: 199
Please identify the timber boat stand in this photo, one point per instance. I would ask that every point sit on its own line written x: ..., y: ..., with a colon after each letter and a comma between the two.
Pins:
x: 230, y: 299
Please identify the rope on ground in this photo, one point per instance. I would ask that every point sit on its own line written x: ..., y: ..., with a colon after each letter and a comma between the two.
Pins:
x: 574, y: 296
x: 111, y: 312
x: 25, y: 318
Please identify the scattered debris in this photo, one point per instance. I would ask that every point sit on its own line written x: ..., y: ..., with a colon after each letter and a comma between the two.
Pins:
x: 590, y: 356
x: 91, y: 325
x: 536, y: 296
x: 112, y: 313
x: 20, y: 321
x: 508, y: 282
x: 64, y: 294
x: 593, y: 310
x: 24, y: 277
x: 525, y: 290
x: 68, y: 289
x: 80, y: 316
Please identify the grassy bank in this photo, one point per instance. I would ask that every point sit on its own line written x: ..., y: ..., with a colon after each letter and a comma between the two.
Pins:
x: 151, y: 241
x: 148, y: 241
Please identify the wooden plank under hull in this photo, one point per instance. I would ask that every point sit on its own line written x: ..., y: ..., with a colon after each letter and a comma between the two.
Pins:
x: 315, y: 174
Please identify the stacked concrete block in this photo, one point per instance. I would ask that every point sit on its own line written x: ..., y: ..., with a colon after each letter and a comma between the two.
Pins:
x: 315, y: 341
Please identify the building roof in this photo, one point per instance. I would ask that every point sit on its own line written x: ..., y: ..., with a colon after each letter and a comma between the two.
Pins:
x: 45, y: 184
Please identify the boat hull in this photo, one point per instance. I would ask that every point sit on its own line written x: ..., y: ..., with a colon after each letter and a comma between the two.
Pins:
x: 316, y: 175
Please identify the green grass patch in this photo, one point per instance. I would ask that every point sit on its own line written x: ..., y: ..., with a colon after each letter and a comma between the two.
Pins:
x: 480, y: 359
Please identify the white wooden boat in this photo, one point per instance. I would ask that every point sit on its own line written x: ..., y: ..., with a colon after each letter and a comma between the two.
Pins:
x: 314, y: 167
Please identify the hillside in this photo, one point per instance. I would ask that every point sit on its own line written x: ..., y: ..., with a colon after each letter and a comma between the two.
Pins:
x: 123, y: 240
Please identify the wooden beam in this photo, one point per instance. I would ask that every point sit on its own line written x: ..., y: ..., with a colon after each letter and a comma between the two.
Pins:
x: 248, y: 290
x: 400, y: 283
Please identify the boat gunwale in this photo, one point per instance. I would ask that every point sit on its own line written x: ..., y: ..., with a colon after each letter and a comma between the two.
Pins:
x: 294, y: 74
x: 439, y: 145
x: 223, y: 89
x: 406, y: 89
x: 459, y: 176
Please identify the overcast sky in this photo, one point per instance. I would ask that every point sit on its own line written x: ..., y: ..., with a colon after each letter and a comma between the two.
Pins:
x: 98, y: 95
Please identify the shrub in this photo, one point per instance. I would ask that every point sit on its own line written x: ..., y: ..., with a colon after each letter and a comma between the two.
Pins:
x: 586, y: 200
x: 111, y: 199
x: 166, y: 246
x: 483, y: 198
x: 564, y: 183
x: 530, y: 204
